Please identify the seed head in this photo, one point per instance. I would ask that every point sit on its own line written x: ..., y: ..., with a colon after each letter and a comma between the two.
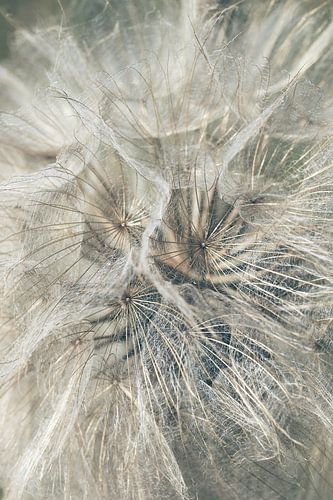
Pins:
x: 166, y: 255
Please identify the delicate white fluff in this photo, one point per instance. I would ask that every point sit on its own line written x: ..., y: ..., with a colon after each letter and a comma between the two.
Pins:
x: 166, y: 253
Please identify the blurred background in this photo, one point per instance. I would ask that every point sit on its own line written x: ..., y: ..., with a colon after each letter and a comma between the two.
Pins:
x: 43, y: 12
x: 27, y: 13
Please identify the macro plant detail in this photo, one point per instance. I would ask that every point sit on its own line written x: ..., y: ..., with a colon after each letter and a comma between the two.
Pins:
x: 166, y: 253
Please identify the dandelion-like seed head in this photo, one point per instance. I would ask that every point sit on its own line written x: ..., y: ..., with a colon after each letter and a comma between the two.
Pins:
x: 166, y: 255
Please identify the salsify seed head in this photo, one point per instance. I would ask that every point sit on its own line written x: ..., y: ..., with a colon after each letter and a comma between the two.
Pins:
x: 166, y: 254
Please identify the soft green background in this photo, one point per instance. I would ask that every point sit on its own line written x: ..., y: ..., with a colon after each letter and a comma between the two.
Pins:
x: 23, y: 12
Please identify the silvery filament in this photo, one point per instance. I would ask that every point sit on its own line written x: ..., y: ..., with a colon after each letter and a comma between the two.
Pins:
x: 166, y: 252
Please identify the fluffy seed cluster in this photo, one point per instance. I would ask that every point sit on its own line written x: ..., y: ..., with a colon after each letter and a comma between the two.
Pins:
x: 166, y: 253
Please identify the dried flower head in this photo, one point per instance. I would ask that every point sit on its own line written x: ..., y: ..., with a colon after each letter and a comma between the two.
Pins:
x: 166, y: 215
